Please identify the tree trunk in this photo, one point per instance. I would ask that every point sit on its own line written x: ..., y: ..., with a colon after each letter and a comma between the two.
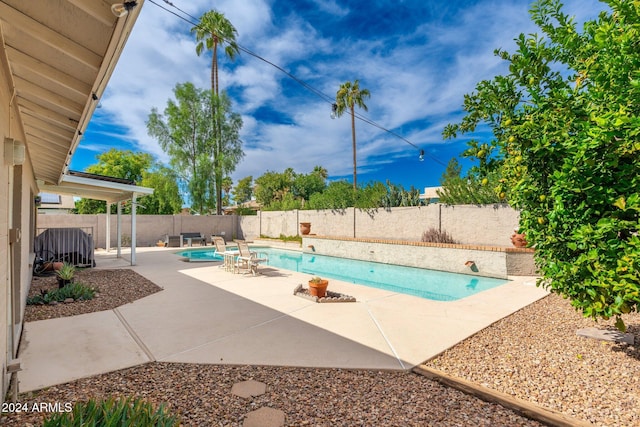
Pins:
x: 353, y: 139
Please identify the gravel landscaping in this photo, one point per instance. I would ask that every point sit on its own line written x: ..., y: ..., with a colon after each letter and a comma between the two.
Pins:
x: 534, y: 355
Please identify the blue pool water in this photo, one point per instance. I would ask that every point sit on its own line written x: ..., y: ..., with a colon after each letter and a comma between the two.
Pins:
x: 430, y: 284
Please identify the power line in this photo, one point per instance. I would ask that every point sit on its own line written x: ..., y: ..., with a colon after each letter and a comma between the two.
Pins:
x: 302, y: 83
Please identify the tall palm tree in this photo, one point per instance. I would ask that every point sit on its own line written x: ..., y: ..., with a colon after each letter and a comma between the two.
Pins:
x: 348, y: 96
x: 215, y: 29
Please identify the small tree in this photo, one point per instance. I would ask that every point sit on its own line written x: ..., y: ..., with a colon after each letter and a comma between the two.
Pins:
x: 243, y: 191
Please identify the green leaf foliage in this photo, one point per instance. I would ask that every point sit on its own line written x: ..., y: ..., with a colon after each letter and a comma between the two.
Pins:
x: 566, y: 127
x: 76, y: 291
x: 200, y: 134
x: 113, y: 412
x: 142, y: 170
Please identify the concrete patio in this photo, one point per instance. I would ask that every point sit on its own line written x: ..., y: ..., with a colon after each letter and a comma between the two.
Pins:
x: 208, y: 315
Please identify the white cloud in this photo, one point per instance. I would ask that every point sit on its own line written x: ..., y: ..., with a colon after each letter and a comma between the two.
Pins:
x: 415, y: 87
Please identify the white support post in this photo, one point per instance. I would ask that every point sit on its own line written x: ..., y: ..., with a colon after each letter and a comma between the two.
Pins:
x: 133, y: 228
x: 119, y: 230
x: 108, y: 229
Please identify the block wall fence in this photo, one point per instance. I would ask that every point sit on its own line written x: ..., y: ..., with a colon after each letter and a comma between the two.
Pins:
x: 489, y: 225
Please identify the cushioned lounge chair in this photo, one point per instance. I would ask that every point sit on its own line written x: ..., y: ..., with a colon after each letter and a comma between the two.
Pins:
x: 249, y: 261
x: 228, y: 256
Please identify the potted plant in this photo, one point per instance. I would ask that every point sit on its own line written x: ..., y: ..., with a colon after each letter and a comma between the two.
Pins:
x: 318, y: 287
x: 65, y: 274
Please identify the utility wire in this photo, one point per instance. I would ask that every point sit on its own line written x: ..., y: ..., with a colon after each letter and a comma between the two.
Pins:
x: 302, y: 83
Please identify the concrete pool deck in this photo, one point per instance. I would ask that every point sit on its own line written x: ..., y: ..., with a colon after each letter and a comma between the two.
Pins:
x: 208, y: 315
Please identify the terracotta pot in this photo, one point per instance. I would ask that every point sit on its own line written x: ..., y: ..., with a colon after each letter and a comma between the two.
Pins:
x: 318, y: 289
x: 305, y: 228
x: 519, y: 240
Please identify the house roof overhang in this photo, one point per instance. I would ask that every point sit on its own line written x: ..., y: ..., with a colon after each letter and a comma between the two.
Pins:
x: 59, y: 56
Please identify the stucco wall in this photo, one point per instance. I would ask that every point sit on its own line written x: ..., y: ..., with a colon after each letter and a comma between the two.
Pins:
x: 477, y: 225
x: 15, y: 213
x: 4, y: 226
x: 150, y: 228
x: 490, y: 225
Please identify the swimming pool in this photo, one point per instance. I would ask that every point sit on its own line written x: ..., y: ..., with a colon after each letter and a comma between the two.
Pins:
x: 430, y: 284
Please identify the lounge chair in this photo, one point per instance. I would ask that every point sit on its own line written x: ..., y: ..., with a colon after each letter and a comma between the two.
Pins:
x: 248, y: 260
x: 228, y: 256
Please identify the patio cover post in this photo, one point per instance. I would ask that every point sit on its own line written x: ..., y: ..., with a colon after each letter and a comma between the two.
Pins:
x: 108, y: 228
x: 133, y: 228
x: 119, y: 230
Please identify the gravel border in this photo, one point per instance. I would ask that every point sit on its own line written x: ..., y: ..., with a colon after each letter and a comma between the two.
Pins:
x: 534, y: 355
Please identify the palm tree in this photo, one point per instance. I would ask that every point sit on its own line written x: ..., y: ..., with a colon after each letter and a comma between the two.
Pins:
x: 322, y: 172
x: 348, y: 96
x: 215, y: 29
x: 227, y: 185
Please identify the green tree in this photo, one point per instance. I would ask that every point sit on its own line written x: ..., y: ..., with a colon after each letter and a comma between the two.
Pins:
x: 185, y: 133
x: 305, y: 185
x: 566, y: 120
x: 142, y: 170
x: 243, y: 191
x: 288, y: 190
x: 272, y: 187
x: 166, y: 199
x: 471, y: 189
x: 214, y: 29
x: 227, y: 185
x: 337, y: 195
x: 321, y: 172
x: 348, y: 96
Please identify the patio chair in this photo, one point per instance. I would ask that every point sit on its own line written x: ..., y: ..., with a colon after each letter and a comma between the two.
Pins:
x: 248, y: 260
x: 172, y: 241
x: 228, y: 256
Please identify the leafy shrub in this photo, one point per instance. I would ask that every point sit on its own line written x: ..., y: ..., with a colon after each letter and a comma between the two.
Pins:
x: 432, y: 235
x: 113, y: 412
x: 77, y: 291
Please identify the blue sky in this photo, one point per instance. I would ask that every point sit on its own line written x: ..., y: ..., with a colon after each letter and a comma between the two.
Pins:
x: 417, y: 58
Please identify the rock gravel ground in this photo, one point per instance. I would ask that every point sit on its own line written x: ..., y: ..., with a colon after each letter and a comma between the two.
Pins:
x: 533, y: 354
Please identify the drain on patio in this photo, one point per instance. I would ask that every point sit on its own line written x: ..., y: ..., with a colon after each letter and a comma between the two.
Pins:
x: 330, y: 297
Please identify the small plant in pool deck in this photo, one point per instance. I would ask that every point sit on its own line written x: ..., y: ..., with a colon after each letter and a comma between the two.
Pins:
x: 433, y: 235
x: 114, y: 412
